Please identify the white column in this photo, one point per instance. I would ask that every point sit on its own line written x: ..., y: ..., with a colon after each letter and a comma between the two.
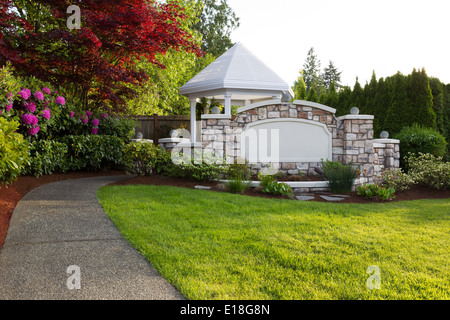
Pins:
x: 193, y: 121
x: 228, y: 104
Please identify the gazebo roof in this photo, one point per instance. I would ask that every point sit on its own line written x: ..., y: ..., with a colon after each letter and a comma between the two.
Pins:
x: 237, y: 72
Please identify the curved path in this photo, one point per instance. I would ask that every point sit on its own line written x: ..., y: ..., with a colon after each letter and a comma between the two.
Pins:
x: 61, y: 245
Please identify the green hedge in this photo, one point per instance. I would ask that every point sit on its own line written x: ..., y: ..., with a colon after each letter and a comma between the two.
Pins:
x: 13, y: 151
x: 416, y: 139
x: 93, y: 152
x: 47, y: 157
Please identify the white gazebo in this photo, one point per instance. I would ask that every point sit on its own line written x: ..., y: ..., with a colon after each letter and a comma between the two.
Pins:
x: 236, y: 78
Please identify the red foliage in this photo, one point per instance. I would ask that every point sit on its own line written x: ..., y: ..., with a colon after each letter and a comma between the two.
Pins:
x: 97, y: 60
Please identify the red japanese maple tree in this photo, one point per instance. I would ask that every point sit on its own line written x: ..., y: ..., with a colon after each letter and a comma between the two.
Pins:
x: 96, y: 62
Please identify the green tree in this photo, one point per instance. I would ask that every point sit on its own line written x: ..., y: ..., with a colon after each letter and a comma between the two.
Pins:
x: 370, y: 91
x: 357, y: 97
x: 312, y: 95
x: 437, y: 90
x: 397, y: 115
x: 331, y: 74
x: 380, y: 106
x: 446, y: 116
x: 332, y: 96
x: 300, y: 87
x: 216, y: 21
x: 420, y: 99
x: 311, y: 71
x: 344, y: 101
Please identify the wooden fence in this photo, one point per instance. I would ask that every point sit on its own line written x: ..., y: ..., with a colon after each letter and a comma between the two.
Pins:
x: 156, y: 127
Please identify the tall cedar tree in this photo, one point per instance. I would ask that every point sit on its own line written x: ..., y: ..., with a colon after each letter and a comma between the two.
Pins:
x: 447, y: 111
x: 358, y: 99
x: 398, y: 114
x: 437, y: 90
x: 421, y: 99
x: 380, y: 106
x: 97, y: 61
x: 370, y: 90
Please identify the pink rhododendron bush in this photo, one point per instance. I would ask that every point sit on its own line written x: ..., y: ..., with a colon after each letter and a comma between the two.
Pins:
x: 60, y: 136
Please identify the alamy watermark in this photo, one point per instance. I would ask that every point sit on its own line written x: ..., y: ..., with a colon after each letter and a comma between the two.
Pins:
x: 74, y: 21
x: 374, y: 281
x: 74, y: 280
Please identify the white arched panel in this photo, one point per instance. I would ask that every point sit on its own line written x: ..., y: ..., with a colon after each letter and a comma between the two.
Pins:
x: 286, y: 140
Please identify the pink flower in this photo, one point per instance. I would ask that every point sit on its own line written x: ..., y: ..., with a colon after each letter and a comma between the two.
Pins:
x: 72, y: 114
x: 30, y: 107
x: 33, y: 131
x: 104, y: 116
x: 89, y: 114
x: 9, y: 107
x: 25, y: 93
x: 46, y: 90
x: 30, y: 119
x: 84, y: 119
x: 95, y: 122
x: 94, y: 131
x: 60, y: 100
x: 46, y: 114
x: 39, y: 96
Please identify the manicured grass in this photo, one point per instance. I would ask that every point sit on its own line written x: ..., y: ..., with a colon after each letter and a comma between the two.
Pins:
x: 213, y: 245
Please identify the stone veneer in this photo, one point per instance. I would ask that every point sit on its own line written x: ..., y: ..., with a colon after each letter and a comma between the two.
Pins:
x: 352, y: 137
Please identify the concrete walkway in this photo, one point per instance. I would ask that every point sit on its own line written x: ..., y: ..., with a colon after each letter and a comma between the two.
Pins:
x: 61, y: 225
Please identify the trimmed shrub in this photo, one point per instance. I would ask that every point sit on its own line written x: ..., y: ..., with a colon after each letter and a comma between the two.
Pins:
x: 416, y: 139
x: 202, y: 167
x: 93, y: 152
x: 429, y: 170
x: 47, y: 157
x: 145, y: 158
x: 13, y: 151
x: 340, y: 176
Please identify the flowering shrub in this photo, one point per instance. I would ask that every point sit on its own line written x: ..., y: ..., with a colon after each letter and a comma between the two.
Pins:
x: 429, y: 170
x: 397, y: 179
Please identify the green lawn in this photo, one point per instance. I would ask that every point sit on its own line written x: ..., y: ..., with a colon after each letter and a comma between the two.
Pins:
x: 212, y: 245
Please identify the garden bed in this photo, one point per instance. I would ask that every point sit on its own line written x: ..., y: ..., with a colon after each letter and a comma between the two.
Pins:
x: 11, y: 195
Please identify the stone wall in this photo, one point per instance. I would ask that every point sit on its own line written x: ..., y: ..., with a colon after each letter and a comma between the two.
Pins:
x: 222, y: 136
x: 352, y: 137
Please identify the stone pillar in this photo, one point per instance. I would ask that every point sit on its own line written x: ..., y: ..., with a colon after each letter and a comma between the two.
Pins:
x: 357, y: 137
x: 215, y: 131
x: 387, y: 154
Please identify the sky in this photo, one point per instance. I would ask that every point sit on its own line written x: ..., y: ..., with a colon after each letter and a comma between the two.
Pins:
x: 359, y: 36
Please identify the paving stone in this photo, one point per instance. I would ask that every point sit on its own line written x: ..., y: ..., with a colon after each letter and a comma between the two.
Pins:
x: 202, y: 188
x: 331, y: 198
x: 305, y: 198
